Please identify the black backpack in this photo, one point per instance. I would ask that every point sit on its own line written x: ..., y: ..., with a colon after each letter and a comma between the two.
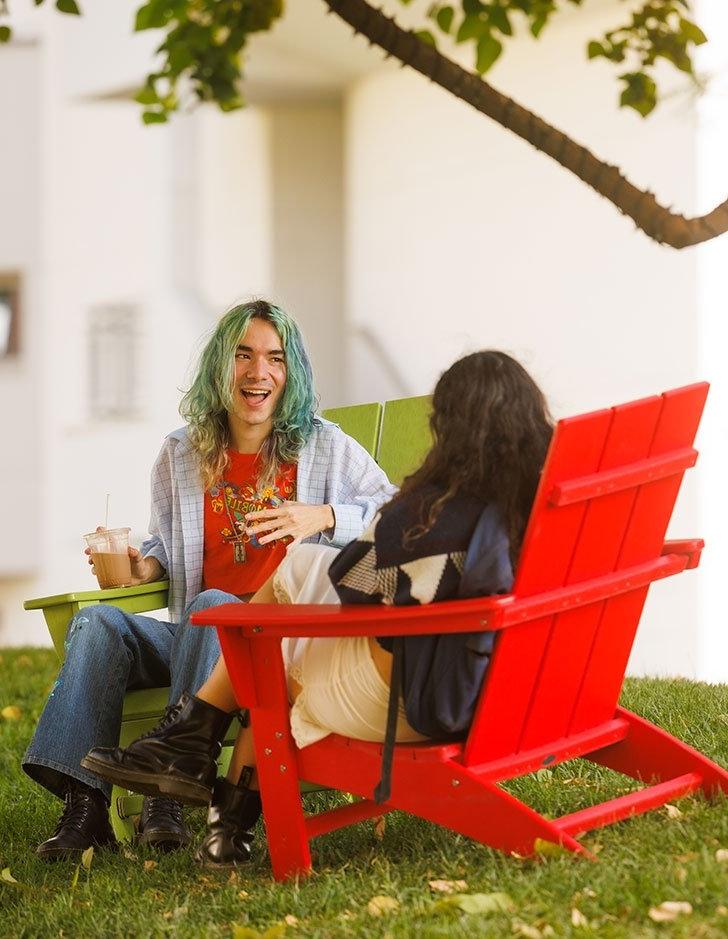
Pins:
x: 441, y: 675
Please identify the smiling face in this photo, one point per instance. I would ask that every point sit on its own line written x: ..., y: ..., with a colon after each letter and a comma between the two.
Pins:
x: 258, y: 382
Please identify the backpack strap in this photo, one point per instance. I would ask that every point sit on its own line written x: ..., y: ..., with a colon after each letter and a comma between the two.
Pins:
x: 384, y: 786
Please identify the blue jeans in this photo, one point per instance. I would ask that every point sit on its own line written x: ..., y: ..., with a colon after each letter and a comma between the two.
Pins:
x: 110, y: 652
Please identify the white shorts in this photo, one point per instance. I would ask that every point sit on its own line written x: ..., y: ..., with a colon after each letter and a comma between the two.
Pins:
x: 343, y: 693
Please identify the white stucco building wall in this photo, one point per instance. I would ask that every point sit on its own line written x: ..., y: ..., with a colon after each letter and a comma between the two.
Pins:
x: 403, y: 228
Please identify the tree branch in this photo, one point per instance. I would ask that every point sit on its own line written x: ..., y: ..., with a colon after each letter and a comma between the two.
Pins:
x: 655, y: 220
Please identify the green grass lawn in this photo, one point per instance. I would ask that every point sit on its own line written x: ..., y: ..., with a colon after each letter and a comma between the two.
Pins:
x: 667, y: 855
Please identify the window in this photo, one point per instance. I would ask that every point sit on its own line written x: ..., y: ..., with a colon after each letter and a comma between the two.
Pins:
x: 9, y: 314
x: 113, y: 362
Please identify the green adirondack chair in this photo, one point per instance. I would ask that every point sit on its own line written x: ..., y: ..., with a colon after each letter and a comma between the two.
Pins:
x: 396, y: 434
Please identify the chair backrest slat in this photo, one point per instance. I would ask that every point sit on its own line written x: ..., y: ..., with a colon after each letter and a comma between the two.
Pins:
x: 654, y: 501
x: 405, y: 437
x: 571, y: 634
x: 548, y: 546
x: 563, y: 673
x: 361, y: 421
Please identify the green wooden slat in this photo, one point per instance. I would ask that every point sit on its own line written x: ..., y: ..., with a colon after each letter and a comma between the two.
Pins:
x: 405, y: 437
x: 360, y: 421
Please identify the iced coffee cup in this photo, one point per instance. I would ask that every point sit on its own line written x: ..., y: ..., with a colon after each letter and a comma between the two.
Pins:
x: 110, y: 556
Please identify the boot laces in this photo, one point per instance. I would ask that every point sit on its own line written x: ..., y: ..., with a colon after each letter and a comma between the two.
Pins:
x: 77, y: 808
x: 170, y: 713
x: 166, y: 805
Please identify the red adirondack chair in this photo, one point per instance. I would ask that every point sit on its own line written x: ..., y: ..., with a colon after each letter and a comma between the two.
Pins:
x: 594, y: 543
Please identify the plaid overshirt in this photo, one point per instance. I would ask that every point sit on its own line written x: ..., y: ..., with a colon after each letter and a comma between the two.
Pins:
x: 332, y: 468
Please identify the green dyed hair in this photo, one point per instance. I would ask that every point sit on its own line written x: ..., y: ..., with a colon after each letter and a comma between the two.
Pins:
x: 206, y: 405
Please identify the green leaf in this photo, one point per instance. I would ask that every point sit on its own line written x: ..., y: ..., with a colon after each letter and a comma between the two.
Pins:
x: 444, y: 18
x: 147, y: 95
x: 498, y: 17
x: 478, y: 903
x: 7, y: 876
x: 489, y: 48
x: 424, y: 35
x: 472, y: 27
x: 153, y: 15
x: 692, y: 32
x: 68, y: 6
x: 595, y: 49
x: 74, y: 879
x: 5, y: 33
x: 538, y: 24
x: 640, y: 93
x: 154, y: 117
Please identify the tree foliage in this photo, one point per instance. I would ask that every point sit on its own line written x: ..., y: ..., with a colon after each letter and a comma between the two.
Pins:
x: 202, y: 53
x: 204, y: 41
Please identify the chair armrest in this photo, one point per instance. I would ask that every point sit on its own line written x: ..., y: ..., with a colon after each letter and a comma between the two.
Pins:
x: 60, y: 608
x: 331, y: 619
x: 692, y: 547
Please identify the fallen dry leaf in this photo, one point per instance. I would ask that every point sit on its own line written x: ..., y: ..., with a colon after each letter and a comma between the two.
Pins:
x: 670, y: 910
x: 447, y: 886
x: 290, y: 920
x: 11, y: 713
x: 7, y: 876
x: 578, y: 919
x: 549, y: 848
x: 379, y: 825
x: 243, y: 894
x: 721, y: 855
x: 672, y: 811
x: 721, y: 910
x: 129, y: 855
x: 87, y: 857
x: 525, y: 929
x: 478, y: 903
x: 244, y: 932
x: 382, y: 905
x: 149, y: 865
x: 688, y: 856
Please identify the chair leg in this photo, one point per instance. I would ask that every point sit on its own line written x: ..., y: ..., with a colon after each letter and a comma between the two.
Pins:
x: 124, y: 805
x: 285, y: 824
x: 649, y: 753
x: 457, y: 799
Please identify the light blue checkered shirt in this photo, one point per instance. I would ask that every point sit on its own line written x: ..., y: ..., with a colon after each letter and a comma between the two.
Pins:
x: 332, y: 468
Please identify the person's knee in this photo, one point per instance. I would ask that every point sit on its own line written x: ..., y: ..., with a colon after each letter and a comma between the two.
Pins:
x: 210, y: 598
x: 101, y: 625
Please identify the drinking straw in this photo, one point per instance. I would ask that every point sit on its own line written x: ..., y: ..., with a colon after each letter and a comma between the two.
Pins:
x: 106, y: 520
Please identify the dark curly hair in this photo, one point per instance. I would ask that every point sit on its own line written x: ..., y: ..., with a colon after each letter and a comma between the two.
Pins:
x: 491, y: 429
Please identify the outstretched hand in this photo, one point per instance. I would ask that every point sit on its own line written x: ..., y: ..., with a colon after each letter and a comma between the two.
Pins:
x: 294, y: 520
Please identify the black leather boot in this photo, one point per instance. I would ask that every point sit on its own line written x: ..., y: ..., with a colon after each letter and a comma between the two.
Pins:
x: 233, y: 813
x: 176, y: 758
x: 161, y: 824
x: 83, y: 824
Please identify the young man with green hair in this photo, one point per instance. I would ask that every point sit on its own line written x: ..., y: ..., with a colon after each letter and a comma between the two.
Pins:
x: 252, y: 471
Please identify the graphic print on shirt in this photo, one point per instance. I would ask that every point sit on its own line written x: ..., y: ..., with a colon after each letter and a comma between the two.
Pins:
x: 231, y: 503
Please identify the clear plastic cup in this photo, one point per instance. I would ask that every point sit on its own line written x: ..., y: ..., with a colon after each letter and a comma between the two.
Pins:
x: 110, y: 556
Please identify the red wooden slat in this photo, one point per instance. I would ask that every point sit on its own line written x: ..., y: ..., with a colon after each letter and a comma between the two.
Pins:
x: 548, y: 547
x: 644, y: 539
x: 634, y: 803
x: 623, y: 477
x: 600, y: 538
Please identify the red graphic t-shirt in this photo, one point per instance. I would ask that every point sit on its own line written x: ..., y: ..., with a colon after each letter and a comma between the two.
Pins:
x: 225, y: 508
